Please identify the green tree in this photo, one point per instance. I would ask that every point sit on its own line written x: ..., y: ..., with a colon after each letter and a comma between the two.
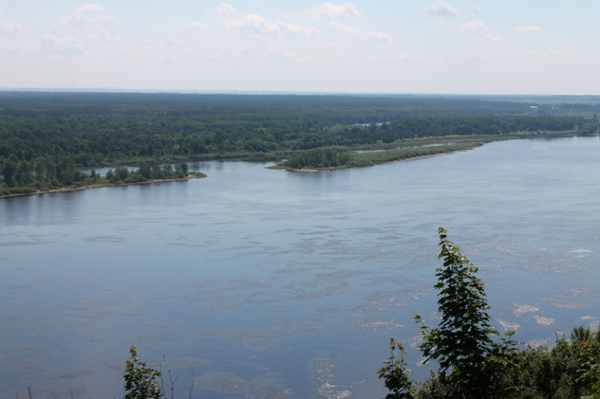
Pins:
x: 395, y: 373
x: 8, y: 172
x: 140, y: 380
x: 68, y: 171
x: 471, y: 362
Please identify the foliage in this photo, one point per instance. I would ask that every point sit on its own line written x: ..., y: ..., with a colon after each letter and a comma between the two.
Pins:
x: 319, y: 158
x: 394, y: 373
x: 330, y: 159
x: 100, y: 129
x: 140, y: 380
x: 24, y: 177
x: 462, y: 343
x: 569, y: 369
x: 474, y: 365
x: 381, y: 157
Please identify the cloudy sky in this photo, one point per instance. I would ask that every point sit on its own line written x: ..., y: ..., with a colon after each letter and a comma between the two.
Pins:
x: 374, y: 46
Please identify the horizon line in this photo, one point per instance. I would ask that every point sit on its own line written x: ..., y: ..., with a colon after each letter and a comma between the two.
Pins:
x: 272, y: 92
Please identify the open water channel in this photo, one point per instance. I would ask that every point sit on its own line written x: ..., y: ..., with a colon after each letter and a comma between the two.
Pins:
x: 272, y: 284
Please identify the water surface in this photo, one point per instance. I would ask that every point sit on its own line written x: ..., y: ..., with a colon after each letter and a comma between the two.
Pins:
x: 273, y: 284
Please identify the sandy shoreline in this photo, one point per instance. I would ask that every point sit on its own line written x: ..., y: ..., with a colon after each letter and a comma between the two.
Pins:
x: 92, y: 186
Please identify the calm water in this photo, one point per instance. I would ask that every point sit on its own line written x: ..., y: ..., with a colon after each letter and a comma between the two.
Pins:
x: 279, y: 285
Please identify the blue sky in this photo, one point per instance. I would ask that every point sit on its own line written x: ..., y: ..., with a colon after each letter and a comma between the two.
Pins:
x: 375, y: 46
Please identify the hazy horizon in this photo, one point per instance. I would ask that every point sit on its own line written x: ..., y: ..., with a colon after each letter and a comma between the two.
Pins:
x: 374, y: 47
x: 282, y: 92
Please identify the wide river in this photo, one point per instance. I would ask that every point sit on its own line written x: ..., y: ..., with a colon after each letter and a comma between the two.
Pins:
x: 272, y: 284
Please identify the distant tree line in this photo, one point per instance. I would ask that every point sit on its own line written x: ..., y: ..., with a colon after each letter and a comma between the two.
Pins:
x: 93, y: 142
x: 318, y: 159
x: 44, y: 174
x: 329, y: 158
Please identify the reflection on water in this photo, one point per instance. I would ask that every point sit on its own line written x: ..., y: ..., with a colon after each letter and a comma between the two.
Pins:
x: 282, y: 285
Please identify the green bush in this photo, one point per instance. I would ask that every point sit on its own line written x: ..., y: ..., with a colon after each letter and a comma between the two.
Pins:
x: 474, y: 363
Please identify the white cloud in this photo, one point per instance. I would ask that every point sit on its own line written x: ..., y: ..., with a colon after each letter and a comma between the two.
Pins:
x: 195, y: 25
x: 351, y: 30
x: 8, y: 26
x: 224, y: 9
x: 553, y: 56
x: 442, y: 9
x: 282, y: 56
x: 170, y: 42
x: 252, y: 23
x: 331, y: 11
x: 297, y: 29
x: 406, y: 57
x: 463, y: 57
x: 89, y: 18
x: 379, y: 36
x: 476, y: 9
x: 67, y: 46
x: 528, y: 28
x: 239, y: 52
x: 493, y: 39
x: 89, y: 8
x: 290, y: 15
x: 473, y: 26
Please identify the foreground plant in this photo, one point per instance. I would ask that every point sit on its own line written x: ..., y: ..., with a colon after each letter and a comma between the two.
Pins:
x: 140, y: 380
x: 395, y: 373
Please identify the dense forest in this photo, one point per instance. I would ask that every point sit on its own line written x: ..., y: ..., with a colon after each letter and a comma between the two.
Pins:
x: 46, y: 136
x: 113, y: 129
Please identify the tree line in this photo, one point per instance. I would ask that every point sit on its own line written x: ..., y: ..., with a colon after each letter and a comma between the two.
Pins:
x: 21, y: 177
x: 93, y: 142
x: 331, y: 159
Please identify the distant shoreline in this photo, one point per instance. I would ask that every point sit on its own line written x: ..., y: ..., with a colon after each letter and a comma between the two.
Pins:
x: 92, y: 186
x: 385, y: 163
x: 351, y: 166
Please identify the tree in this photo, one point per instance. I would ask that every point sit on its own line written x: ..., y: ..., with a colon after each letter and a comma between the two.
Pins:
x: 394, y: 373
x: 140, y: 380
x: 68, y: 170
x: 471, y: 362
x: 8, y: 172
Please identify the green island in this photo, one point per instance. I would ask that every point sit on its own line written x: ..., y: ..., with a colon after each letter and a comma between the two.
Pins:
x: 320, y: 160
x: 24, y: 178
x: 46, y: 137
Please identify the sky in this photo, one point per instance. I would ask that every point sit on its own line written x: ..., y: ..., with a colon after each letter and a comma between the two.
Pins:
x: 363, y: 46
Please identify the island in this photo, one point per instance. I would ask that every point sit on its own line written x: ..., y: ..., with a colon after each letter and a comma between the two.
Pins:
x: 19, y: 180
x: 327, y: 160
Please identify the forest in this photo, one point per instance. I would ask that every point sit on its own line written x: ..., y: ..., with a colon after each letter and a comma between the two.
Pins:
x: 46, y: 136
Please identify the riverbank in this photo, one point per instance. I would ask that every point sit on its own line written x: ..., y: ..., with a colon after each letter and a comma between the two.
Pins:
x: 318, y: 161
x: 192, y: 175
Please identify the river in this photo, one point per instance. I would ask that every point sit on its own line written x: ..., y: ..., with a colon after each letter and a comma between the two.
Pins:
x: 272, y: 284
